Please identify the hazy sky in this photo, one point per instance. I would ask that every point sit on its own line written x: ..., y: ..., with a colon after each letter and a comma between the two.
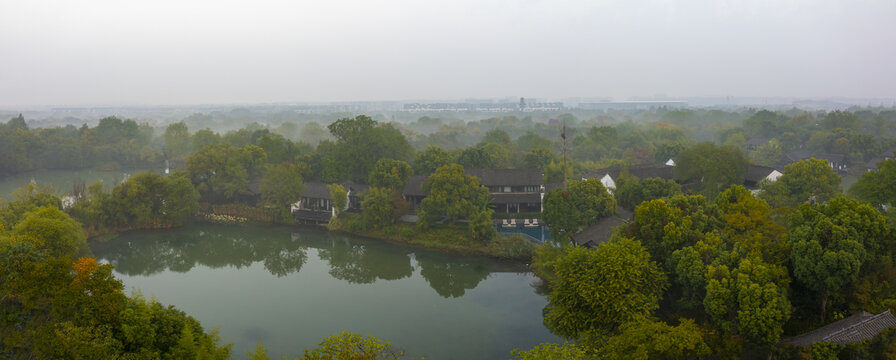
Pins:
x: 187, y: 52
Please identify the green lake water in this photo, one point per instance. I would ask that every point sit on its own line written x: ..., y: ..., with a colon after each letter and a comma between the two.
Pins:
x: 293, y: 286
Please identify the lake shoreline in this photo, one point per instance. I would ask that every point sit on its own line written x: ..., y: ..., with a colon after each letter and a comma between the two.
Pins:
x: 448, y: 239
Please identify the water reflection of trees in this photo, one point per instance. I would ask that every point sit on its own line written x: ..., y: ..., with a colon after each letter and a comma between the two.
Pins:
x: 364, y: 262
x: 451, y: 276
x: 180, y: 250
x: 284, y: 251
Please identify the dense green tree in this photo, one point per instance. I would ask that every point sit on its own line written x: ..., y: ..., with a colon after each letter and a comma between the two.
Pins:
x: 339, y: 196
x: 148, y: 200
x: 748, y: 226
x: 26, y: 199
x: 181, y: 198
x: 18, y: 150
x: 655, y: 188
x: 750, y: 299
x: 877, y: 187
x: 481, y: 225
x: 282, y: 186
x: 668, y: 150
x: 490, y: 155
x: 427, y: 161
x: 475, y: 158
x: 17, y: 122
x: 554, y: 172
x: 389, y: 173
x: 764, y: 123
x: 710, y: 168
x: 549, y: 351
x: 531, y: 141
x: 841, y: 120
x: 313, y: 133
x: 539, y: 158
x: 346, y: 345
x: 630, y: 192
x: 177, y: 141
x: 145, y: 200
x: 205, y: 137
x: 455, y: 195
x: 807, y: 180
x: 253, y: 159
x: 666, y: 225
x: 736, y: 140
x: 377, y: 207
x: 280, y: 149
x: 452, y: 194
x: 361, y: 142
x: 628, y: 189
x: 347, y: 129
x: 50, y: 229
x: 497, y: 136
x: 598, y: 290
x: 261, y: 353
x: 644, y: 339
x: 63, y: 148
x: 832, y: 242
x: 768, y: 154
x: 582, y: 203
x: 222, y: 172
x: 690, y: 236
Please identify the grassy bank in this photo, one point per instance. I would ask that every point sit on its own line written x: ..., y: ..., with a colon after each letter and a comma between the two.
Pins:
x: 453, y: 238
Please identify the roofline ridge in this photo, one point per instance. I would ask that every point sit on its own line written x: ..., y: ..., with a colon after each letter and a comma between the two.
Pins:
x: 863, y: 322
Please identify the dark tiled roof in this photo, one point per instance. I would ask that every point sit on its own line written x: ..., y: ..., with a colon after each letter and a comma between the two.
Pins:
x: 872, y: 164
x: 599, y: 232
x: 755, y: 173
x: 505, y: 198
x: 552, y: 186
x: 507, y: 177
x: 889, y: 153
x: 414, y: 186
x: 355, y: 188
x: 757, y: 141
x: 804, y: 154
x: 797, y: 155
x: 661, y: 171
x: 854, y: 329
x: 316, y: 190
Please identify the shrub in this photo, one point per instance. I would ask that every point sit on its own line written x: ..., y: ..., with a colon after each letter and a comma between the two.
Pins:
x: 511, y: 246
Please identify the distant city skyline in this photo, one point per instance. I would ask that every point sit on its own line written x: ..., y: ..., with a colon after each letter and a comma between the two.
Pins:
x: 167, y: 52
